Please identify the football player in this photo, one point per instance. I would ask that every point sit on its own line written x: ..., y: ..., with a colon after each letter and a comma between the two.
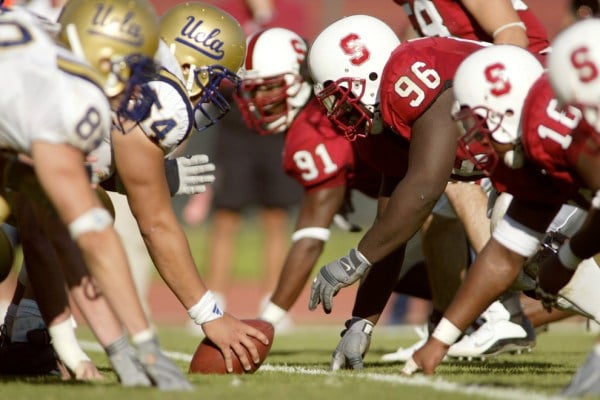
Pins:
x: 532, y: 148
x: 276, y: 98
x: 390, y: 99
x: 574, y: 71
x: 54, y: 144
x: 500, y: 22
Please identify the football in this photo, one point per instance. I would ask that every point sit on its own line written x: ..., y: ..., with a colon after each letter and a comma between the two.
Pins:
x: 207, y: 358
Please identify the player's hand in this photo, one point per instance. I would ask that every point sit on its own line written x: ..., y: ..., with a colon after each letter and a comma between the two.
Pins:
x: 334, y: 276
x: 353, y: 346
x: 552, y: 277
x: 189, y: 174
x: 160, y: 369
x: 427, y: 358
x: 232, y: 336
x: 87, y: 371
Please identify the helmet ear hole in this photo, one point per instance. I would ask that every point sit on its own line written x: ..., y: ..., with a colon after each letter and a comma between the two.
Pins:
x: 373, y: 76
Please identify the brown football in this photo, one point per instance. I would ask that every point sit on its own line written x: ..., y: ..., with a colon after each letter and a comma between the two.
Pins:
x: 207, y: 358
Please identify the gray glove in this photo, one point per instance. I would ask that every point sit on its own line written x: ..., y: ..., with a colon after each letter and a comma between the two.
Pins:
x: 125, y: 364
x: 189, y: 174
x: 356, y: 339
x: 163, y: 373
x: 336, y: 275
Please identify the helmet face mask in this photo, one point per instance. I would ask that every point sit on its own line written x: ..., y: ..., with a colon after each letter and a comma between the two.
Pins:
x: 476, y: 142
x: 209, y: 45
x: 211, y: 105
x: 344, y: 107
x: 264, y: 102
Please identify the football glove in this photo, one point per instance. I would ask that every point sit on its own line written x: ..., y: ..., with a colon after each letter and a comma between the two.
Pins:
x: 189, y: 174
x: 336, y: 275
x: 353, y: 346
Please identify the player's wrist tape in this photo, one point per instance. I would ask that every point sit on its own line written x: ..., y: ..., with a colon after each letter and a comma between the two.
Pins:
x: 273, y: 313
x: 96, y: 219
x: 446, y: 332
x: 66, y: 345
x: 567, y: 257
x: 206, y: 309
x: 519, y: 24
x: 313, y: 233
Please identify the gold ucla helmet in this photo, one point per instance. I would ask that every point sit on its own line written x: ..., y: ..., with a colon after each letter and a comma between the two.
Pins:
x: 119, y: 38
x: 210, y: 46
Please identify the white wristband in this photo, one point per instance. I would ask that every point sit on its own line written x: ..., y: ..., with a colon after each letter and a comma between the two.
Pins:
x: 66, y: 345
x: 446, y: 332
x: 567, y: 257
x: 206, y: 309
x: 95, y: 219
x: 272, y: 313
x: 313, y: 233
x: 519, y: 24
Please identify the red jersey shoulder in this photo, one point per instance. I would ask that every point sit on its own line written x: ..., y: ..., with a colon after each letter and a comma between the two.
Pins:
x: 451, y: 18
x: 314, y: 154
x: 547, y: 130
x: 417, y: 72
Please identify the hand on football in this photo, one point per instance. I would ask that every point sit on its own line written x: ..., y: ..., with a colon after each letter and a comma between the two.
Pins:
x: 232, y: 336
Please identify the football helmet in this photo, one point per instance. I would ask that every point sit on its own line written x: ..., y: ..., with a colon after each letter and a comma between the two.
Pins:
x: 346, y: 62
x: 574, y: 68
x: 210, y: 46
x: 273, y: 89
x: 117, y: 37
x: 490, y: 87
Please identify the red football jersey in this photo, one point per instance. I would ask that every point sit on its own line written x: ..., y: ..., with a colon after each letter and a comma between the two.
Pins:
x: 417, y: 72
x: 547, y: 137
x: 451, y: 18
x: 318, y: 157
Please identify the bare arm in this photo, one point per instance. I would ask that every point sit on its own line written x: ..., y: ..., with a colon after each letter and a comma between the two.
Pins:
x: 60, y: 170
x: 317, y: 210
x: 431, y: 156
x: 140, y: 166
x: 495, y: 16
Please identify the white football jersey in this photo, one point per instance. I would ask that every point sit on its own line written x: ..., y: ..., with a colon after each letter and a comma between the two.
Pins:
x: 170, y: 120
x: 48, y: 94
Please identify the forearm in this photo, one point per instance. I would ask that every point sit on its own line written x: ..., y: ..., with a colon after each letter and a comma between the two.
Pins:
x: 107, y: 262
x: 500, y: 20
x: 492, y: 273
x: 168, y: 247
x: 300, y: 261
x: 376, y: 288
x: 470, y: 204
x: 408, y: 208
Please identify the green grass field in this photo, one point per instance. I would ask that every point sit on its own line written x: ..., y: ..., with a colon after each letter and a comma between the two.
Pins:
x: 297, y: 369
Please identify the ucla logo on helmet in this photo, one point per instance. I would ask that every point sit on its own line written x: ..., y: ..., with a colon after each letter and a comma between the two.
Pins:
x: 125, y: 29
x: 205, y: 41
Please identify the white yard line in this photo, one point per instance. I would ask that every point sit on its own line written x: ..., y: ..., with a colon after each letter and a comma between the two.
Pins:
x: 435, y: 383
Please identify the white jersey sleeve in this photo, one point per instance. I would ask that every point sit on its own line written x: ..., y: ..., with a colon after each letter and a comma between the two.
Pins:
x: 170, y: 120
x: 47, y: 93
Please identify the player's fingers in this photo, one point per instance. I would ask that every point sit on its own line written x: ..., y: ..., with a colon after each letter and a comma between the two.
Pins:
x: 242, y: 354
x: 314, y: 295
x: 228, y: 359
x: 255, y: 333
x: 337, y: 360
x: 410, y: 367
x: 327, y: 298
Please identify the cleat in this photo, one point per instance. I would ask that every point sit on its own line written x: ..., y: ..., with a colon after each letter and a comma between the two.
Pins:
x: 497, y: 335
x: 586, y: 380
